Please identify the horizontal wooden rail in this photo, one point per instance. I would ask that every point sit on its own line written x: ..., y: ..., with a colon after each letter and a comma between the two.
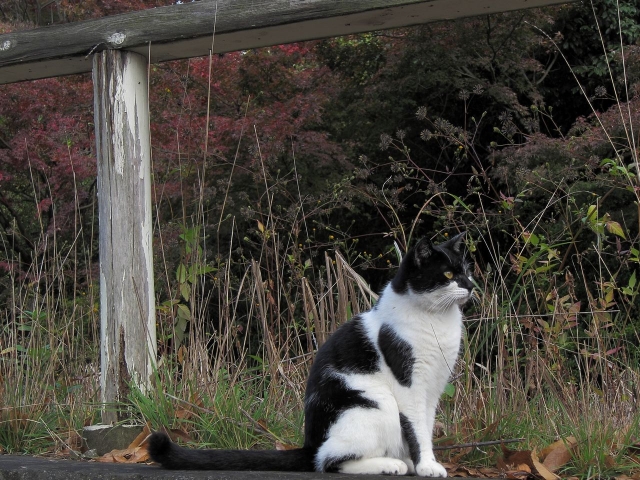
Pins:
x: 185, y: 30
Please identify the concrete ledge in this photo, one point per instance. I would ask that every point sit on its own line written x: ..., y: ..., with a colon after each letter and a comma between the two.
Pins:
x: 15, y: 467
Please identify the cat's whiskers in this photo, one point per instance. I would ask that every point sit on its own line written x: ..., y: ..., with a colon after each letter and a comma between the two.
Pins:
x: 444, y: 301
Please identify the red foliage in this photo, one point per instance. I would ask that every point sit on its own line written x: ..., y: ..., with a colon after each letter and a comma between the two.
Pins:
x: 266, y: 101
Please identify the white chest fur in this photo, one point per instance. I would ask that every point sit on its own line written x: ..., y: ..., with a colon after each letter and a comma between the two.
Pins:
x: 434, y: 335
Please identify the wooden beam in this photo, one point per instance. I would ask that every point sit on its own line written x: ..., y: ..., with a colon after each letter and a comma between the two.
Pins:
x: 127, y: 300
x: 185, y: 30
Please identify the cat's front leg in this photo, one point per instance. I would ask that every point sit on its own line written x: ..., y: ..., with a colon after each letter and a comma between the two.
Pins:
x: 425, y: 471
x: 417, y: 430
x: 429, y: 467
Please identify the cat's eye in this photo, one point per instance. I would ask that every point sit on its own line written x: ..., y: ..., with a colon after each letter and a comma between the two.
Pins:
x: 448, y: 274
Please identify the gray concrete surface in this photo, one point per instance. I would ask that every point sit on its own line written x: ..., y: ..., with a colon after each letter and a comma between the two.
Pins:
x: 16, y: 467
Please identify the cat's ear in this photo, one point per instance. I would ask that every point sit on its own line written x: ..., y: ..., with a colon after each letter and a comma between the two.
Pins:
x: 422, y: 251
x: 455, y: 243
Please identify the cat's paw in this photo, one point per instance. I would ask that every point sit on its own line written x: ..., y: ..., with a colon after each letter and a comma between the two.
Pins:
x: 430, y: 468
x: 375, y: 466
x: 395, y: 467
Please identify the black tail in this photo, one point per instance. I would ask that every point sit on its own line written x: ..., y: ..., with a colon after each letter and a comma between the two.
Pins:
x: 169, y: 455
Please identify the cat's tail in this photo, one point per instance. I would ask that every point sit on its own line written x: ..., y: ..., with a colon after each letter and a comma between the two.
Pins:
x: 169, y: 455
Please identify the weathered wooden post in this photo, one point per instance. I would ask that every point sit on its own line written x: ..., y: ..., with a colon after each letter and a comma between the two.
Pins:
x: 127, y: 300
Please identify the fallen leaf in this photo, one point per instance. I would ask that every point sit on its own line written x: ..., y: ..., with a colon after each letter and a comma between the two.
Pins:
x: 128, y: 455
x: 489, y: 472
x: 559, y: 453
x: 458, y: 473
x: 525, y: 461
x: 463, y: 471
x: 518, y: 475
x: 106, y: 458
x: 523, y: 467
x: 285, y: 446
x: 541, y: 470
x: 142, y: 436
x: 514, y: 458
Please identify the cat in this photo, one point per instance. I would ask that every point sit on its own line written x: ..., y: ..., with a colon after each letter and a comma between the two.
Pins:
x: 374, y: 386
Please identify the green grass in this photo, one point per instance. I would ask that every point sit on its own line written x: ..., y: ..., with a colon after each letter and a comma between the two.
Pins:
x: 220, y: 395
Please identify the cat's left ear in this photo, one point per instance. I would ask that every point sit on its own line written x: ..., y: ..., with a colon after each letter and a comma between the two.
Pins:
x: 422, y: 251
x: 455, y: 243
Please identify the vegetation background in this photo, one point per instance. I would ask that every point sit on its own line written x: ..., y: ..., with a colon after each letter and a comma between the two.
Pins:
x: 323, y: 160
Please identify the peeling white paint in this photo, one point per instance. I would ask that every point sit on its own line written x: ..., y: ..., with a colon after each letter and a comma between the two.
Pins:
x: 116, y: 38
x: 105, y: 358
x: 118, y: 127
x: 6, y: 45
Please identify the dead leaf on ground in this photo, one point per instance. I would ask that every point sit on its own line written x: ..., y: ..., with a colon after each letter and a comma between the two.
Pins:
x: 462, y: 471
x: 517, y: 463
x: 136, y: 452
x: 142, y: 436
x: 540, y: 469
x: 519, y: 475
x: 514, y: 458
x: 128, y: 455
x: 285, y: 446
x: 490, y: 472
x: 559, y: 453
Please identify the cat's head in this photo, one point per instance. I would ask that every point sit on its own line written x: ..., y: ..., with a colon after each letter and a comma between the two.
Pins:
x: 439, y: 273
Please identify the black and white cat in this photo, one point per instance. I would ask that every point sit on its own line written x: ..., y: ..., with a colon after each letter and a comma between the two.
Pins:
x: 374, y: 386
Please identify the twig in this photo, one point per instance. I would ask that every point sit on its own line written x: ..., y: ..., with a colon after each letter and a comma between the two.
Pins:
x: 477, y: 444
